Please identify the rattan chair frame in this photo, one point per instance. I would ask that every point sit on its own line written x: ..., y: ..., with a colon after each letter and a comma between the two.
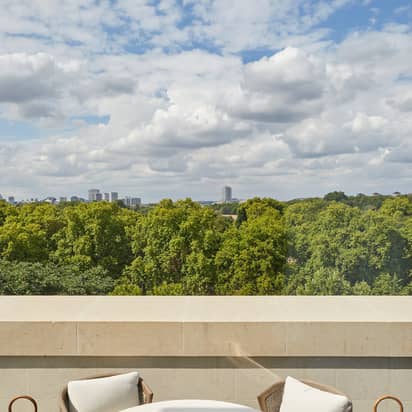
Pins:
x: 145, y: 394
x: 270, y: 399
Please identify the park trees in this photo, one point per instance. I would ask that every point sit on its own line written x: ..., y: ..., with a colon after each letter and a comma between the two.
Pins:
x: 252, y: 256
x: 343, y: 242
x: 28, y: 278
x: 94, y: 235
x: 174, y: 247
x: 27, y: 232
x: 312, y: 246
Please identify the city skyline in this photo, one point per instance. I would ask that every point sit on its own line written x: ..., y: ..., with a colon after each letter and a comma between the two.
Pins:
x: 95, y: 194
x: 224, y: 197
x: 173, y: 99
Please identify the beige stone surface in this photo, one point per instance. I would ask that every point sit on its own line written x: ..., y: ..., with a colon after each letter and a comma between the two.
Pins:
x: 38, y: 338
x: 400, y: 384
x: 401, y: 339
x: 234, y: 339
x: 369, y: 339
x: 317, y: 339
x: 206, y: 326
x: 104, y: 338
x: 207, y: 308
x: 363, y: 384
x: 129, y: 338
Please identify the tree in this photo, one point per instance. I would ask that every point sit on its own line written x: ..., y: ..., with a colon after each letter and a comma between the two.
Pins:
x: 175, y: 244
x: 95, y: 235
x: 169, y: 289
x: 24, y: 278
x: 126, y: 289
x: 335, y: 197
x: 256, y: 207
x: 358, y: 245
x: 27, y: 233
x: 398, y: 207
x: 5, y: 211
x: 386, y: 284
x: 361, y: 288
x: 299, y: 219
x: 252, y: 256
x: 324, y: 282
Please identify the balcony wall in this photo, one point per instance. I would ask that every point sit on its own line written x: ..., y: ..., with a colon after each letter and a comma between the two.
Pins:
x: 227, y: 348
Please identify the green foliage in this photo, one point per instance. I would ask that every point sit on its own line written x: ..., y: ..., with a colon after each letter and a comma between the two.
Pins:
x: 5, y: 211
x: 169, y: 289
x: 176, y: 243
x: 386, y: 284
x: 324, y: 282
x: 94, y: 234
x: 126, y: 289
x: 334, y: 240
x: 361, y: 288
x: 253, y: 255
x: 398, y: 207
x: 23, y: 278
x: 255, y: 207
x: 338, y: 245
x: 335, y: 197
x: 27, y: 232
x: 226, y: 208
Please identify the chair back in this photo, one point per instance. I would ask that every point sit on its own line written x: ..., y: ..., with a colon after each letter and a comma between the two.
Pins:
x: 144, y: 393
x: 270, y: 399
x: 27, y: 397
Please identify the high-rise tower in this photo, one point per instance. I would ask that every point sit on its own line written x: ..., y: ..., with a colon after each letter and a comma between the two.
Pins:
x: 227, y: 194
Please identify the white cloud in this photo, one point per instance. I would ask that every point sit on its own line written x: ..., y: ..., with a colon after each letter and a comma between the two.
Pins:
x: 309, y: 118
x: 284, y: 88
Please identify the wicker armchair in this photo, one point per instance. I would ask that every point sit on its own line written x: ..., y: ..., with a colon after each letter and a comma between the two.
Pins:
x: 145, y: 394
x: 271, y: 398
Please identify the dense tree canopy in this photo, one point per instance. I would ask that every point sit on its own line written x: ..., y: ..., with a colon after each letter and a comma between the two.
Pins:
x: 337, y: 245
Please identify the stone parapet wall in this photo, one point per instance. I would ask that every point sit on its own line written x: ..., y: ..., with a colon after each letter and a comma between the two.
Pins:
x: 218, y: 348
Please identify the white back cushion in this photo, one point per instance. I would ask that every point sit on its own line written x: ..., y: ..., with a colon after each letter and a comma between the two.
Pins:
x: 109, y: 394
x: 298, y: 397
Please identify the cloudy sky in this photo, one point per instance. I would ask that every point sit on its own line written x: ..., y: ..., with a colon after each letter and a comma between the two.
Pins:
x: 177, y: 98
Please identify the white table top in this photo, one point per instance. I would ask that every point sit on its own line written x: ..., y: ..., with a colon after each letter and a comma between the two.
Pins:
x: 190, y: 405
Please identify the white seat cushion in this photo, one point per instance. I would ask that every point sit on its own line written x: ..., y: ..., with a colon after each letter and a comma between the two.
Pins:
x: 298, y: 397
x: 109, y: 394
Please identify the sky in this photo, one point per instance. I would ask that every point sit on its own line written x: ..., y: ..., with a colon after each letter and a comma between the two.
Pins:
x: 178, y: 98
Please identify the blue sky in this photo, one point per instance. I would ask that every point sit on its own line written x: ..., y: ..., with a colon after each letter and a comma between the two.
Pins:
x: 176, y: 98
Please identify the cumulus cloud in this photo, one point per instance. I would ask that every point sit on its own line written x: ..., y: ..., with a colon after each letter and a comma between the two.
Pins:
x: 26, y: 77
x: 186, y: 112
x: 284, y: 88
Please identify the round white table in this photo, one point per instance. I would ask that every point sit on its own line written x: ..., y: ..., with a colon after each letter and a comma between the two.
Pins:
x: 190, y: 405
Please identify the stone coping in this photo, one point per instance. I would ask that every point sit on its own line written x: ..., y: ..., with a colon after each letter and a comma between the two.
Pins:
x: 216, y: 309
x: 206, y: 326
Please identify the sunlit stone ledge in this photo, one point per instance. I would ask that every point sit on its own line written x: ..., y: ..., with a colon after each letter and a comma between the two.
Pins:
x: 206, y: 326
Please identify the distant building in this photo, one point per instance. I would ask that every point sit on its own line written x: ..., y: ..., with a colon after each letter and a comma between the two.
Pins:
x: 227, y: 194
x: 114, y: 196
x: 99, y: 197
x: 62, y: 199
x: 11, y: 200
x: 132, y: 202
x: 93, y: 195
x: 50, y: 199
x: 106, y: 196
